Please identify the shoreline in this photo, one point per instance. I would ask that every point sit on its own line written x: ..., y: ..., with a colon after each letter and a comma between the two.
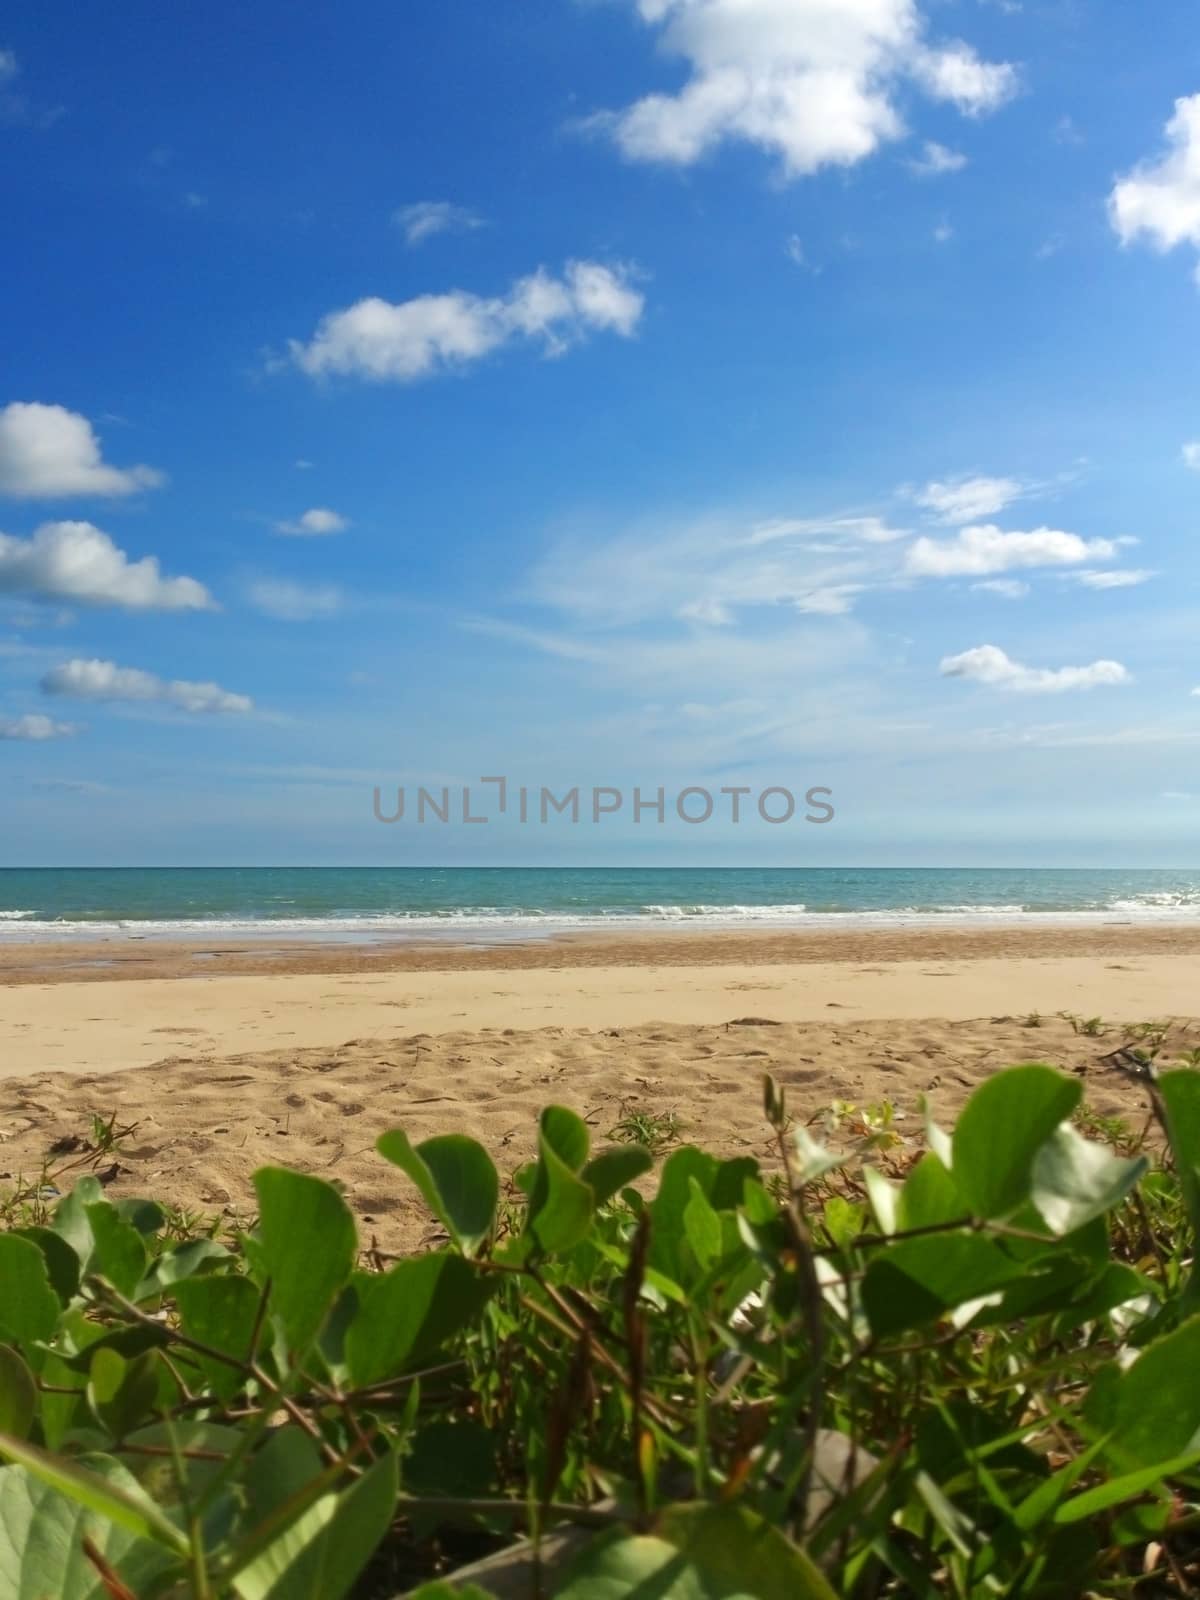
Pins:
x: 115, y: 959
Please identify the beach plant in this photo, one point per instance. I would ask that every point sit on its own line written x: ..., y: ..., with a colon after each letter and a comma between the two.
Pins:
x: 655, y: 1131
x: 970, y: 1372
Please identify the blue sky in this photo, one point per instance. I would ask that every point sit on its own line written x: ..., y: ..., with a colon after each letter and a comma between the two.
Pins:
x: 784, y: 392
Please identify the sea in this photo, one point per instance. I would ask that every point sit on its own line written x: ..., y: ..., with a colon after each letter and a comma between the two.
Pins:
x: 482, y: 904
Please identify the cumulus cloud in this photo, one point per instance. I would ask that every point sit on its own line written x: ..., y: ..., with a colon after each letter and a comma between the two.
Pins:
x: 36, y: 728
x: 400, y: 343
x: 1119, y: 578
x: 966, y: 499
x: 314, y: 524
x: 956, y: 73
x: 810, y: 81
x: 988, y: 664
x: 1160, y: 199
x: 78, y: 562
x: 982, y: 551
x: 427, y: 218
x: 936, y: 159
x: 49, y: 453
x: 1191, y: 455
x: 288, y: 601
x: 104, y: 680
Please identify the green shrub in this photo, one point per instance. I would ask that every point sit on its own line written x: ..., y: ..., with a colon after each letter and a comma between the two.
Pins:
x: 971, y: 1374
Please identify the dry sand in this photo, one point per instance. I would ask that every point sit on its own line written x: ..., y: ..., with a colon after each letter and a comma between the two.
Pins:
x: 305, y: 1055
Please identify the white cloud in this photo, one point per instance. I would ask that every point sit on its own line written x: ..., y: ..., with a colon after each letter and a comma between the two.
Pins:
x: 794, y: 250
x: 293, y: 602
x: 1120, y: 578
x: 429, y: 217
x: 988, y: 664
x: 979, y: 552
x: 966, y: 499
x: 1161, y: 198
x: 1191, y: 455
x: 8, y: 66
x: 943, y: 233
x: 936, y: 159
x: 104, y: 680
x: 810, y: 81
x: 48, y: 453
x: 708, y: 571
x: 1008, y: 588
x: 36, y: 728
x: 383, y: 342
x: 313, y: 524
x: 78, y: 562
x: 956, y: 73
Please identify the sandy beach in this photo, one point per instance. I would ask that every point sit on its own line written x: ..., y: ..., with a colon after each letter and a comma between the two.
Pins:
x: 217, y: 1061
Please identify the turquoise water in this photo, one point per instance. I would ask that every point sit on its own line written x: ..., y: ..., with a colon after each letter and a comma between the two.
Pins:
x: 498, y: 902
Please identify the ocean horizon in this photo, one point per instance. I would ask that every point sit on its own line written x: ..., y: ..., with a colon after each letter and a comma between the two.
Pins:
x: 490, y: 903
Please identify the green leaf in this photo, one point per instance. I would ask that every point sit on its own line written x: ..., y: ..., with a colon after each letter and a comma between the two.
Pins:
x: 181, y: 1261
x: 62, y: 1264
x: 70, y: 1219
x: 122, y: 1392
x: 1180, y: 1092
x: 696, y: 1552
x: 610, y: 1171
x: 118, y: 1254
x: 405, y: 1314
x: 929, y: 1196
x: 702, y: 1227
x: 457, y: 1180
x: 667, y: 1238
x: 29, y: 1307
x: 147, y: 1216
x: 18, y: 1394
x: 1156, y: 1412
x: 1075, y: 1180
x: 42, y: 1534
x: 1126, y: 1487
x: 567, y: 1135
x: 308, y: 1242
x: 562, y: 1205
x: 914, y: 1282
x: 441, y: 1590
x: 1003, y: 1126
x: 321, y: 1553
x: 97, y: 1490
x: 220, y: 1312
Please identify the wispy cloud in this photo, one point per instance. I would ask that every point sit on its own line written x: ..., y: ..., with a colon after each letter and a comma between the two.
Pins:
x: 936, y: 160
x: 35, y: 728
x: 106, y: 681
x: 427, y: 218
x: 288, y: 601
x: 967, y: 499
